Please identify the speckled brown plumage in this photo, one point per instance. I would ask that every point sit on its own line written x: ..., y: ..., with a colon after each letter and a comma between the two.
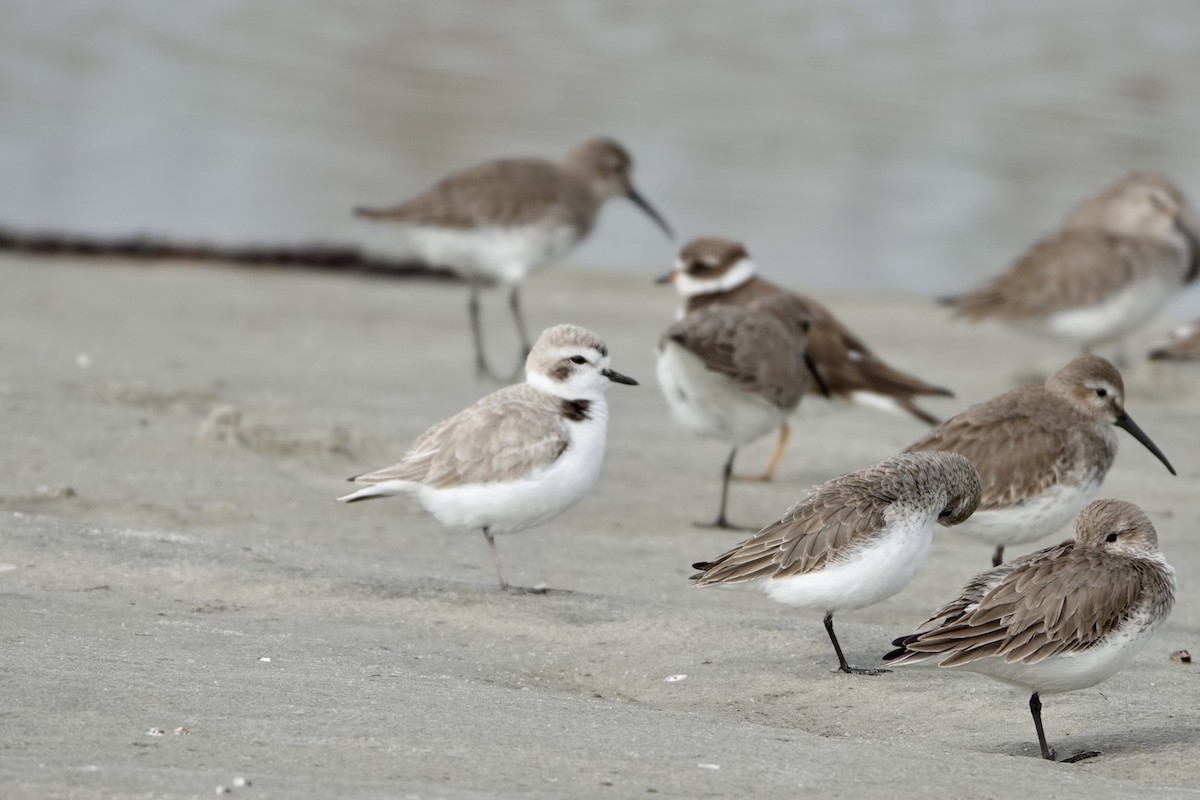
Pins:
x: 1057, y: 601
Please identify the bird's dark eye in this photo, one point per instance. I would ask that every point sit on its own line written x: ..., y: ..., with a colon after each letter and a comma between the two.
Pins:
x: 1112, y: 537
x: 578, y: 360
x: 1102, y: 392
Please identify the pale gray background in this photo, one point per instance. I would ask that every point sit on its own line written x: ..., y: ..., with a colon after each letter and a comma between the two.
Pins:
x: 907, y: 146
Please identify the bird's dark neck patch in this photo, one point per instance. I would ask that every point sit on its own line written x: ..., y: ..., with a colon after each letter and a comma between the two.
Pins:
x: 576, y: 410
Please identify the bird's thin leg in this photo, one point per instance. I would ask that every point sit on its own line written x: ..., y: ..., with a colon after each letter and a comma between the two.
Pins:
x: 482, y: 370
x: 495, y: 558
x: 514, y: 304
x: 998, y: 556
x: 837, y: 648
x: 769, y: 471
x: 1035, y: 708
x: 505, y: 586
x: 726, y: 474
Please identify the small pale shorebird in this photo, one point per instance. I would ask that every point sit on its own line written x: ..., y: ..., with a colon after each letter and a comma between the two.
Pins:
x: 735, y: 373
x: 1118, y: 259
x: 503, y: 219
x: 521, y: 455
x: 1183, y: 344
x: 852, y: 541
x: 720, y: 271
x: 1042, y: 451
x: 1060, y: 619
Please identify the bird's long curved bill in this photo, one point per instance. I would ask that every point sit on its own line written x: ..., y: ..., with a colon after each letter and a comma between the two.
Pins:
x: 1125, y: 421
x: 617, y: 377
x: 644, y: 205
x: 1194, y: 246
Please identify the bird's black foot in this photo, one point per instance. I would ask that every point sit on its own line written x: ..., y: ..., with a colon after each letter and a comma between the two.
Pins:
x: 538, y: 590
x: 849, y: 670
x: 1086, y: 754
x: 722, y: 524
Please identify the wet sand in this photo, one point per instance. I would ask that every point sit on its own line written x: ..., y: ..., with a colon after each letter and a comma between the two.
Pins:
x: 172, y: 559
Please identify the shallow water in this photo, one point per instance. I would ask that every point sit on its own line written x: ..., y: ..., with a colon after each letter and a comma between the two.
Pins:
x: 909, y: 146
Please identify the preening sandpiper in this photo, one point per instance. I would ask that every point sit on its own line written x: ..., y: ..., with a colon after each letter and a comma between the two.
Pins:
x: 503, y: 219
x: 852, y: 541
x: 1119, y: 258
x: 519, y: 456
x: 1060, y: 619
x: 1041, y: 451
x: 720, y: 271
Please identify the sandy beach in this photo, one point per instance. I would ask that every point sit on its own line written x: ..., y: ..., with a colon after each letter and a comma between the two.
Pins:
x: 184, y: 603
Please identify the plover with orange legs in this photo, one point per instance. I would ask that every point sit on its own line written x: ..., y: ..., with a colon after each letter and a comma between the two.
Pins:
x: 1060, y: 619
x: 1120, y: 257
x: 735, y: 373
x: 852, y: 541
x: 503, y: 219
x: 1183, y: 344
x: 521, y: 455
x: 1042, y: 451
x: 720, y: 271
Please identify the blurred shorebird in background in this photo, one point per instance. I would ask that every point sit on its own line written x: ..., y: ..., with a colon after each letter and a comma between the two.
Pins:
x: 735, y: 372
x: 714, y: 271
x: 1118, y: 259
x: 503, y: 219
x: 1183, y: 344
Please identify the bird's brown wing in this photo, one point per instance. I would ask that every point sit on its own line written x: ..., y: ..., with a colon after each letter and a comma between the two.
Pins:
x: 1018, y: 448
x: 504, y: 193
x: 832, y: 520
x: 1059, y: 600
x: 753, y: 348
x: 1077, y: 267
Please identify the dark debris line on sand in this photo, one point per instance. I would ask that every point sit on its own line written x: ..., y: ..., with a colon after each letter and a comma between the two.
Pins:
x: 320, y: 257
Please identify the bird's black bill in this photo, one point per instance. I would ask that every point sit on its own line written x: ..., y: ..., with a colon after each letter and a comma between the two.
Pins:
x: 644, y: 205
x: 666, y: 278
x: 1193, y: 248
x: 617, y: 377
x: 1125, y: 421
x: 816, y: 375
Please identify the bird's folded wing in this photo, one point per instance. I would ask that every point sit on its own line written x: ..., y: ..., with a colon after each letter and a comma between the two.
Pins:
x: 830, y: 522
x: 503, y: 193
x: 508, y: 435
x: 760, y: 353
x: 1046, y: 604
x: 1019, y: 450
x: 1072, y: 269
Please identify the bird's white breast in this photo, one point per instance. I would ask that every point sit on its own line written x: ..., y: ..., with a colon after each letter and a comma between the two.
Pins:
x: 1034, y: 517
x: 1117, y: 315
x: 711, y: 404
